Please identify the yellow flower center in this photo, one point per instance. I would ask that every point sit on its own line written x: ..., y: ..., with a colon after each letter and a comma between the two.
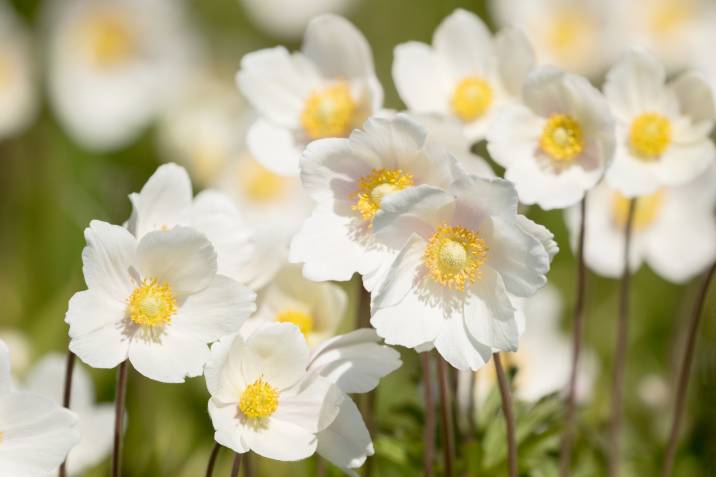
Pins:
x: 152, y: 304
x: 376, y: 186
x: 304, y: 321
x: 258, y: 400
x: 562, y: 138
x: 647, y: 209
x: 454, y: 255
x: 565, y: 28
x: 669, y: 15
x: 649, y: 136
x: 258, y: 183
x: 329, y: 112
x: 472, y: 98
x: 207, y: 161
x: 109, y: 38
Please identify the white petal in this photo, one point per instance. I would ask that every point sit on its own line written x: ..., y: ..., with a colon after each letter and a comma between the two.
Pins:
x: 169, y: 358
x: 346, y: 442
x: 280, y: 366
x: 223, y: 373
x: 541, y: 233
x: 228, y: 428
x: 312, y: 403
x: 489, y: 314
x: 516, y: 58
x: 462, y: 28
x: 685, y: 162
x: 274, y: 147
x: 107, y: 259
x: 514, y: 134
x: 635, y: 85
x: 47, y: 378
x: 695, y: 97
x: 459, y: 348
x: 96, y: 429
x: 281, y: 440
x: 416, y: 73
x: 5, y: 378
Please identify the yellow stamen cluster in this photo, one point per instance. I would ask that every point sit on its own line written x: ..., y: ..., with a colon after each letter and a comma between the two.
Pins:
x: 562, y: 138
x: 649, y: 136
x: 152, y: 304
x: 329, y: 112
x: 260, y: 184
x: 377, y: 185
x: 109, y: 38
x: 304, y: 321
x: 471, y: 99
x: 647, y: 209
x: 259, y: 400
x: 454, y: 255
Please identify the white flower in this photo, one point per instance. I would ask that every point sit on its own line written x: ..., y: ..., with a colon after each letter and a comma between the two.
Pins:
x: 156, y: 301
x: 325, y: 90
x: 18, y: 96
x: 113, y: 64
x: 262, y: 397
x: 449, y: 285
x: 20, y: 350
x: 674, y: 230
x: 272, y: 17
x: 662, y: 128
x: 467, y: 83
x: 96, y: 421
x: 558, y: 143
x: 35, y: 433
x: 348, y: 179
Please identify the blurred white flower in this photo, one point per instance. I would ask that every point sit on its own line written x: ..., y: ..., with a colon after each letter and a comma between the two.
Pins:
x: 156, y: 301
x: 557, y: 144
x: 469, y: 84
x: 20, y: 350
x: 18, y: 94
x: 262, y: 397
x: 674, y: 230
x: 349, y: 179
x: 662, y: 128
x: 654, y: 391
x: 35, y: 433
x: 449, y: 285
x: 113, y: 64
x: 96, y: 421
x: 325, y: 90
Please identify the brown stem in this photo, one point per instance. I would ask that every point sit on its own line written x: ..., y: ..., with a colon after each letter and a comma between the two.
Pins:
x: 120, y: 396
x: 685, y: 372
x: 565, y: 459
x: 429, y: 431
x: 620, y: 353
x: 506, y: 397
x: 236, y: 466
x: 320, y: 467
x: 248, y: 466
x: 368, y: 399
x: 66, y: 397
x: 445, y: 416
x: 471, y: 430
x: 212, y: 459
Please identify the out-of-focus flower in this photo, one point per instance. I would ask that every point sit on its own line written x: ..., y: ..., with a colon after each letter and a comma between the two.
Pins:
x: 662, y: 128
x: 449, y: 285
x: 674, y: 230
x: 18, y: 94
x: 20, y: 350
x: 326, y: 90
x: 36, y: 433
x: 349, y: 179
x: 654, y: 391
x: 469, y: 84
x: 113, y: 64
x: 557, y: 144
x: 156, y: 301
x: 262, y: 397
x: 272, y: 17
x: 95, y: 420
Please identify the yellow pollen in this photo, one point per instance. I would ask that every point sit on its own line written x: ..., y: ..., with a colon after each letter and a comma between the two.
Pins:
x: 649, y: 136
x: 260, y: 184
x: 304, y: 321
x: 454, y: 255
x: 472, y: 98
x: 259, y: 400
x: 647, y: 209
x: 375, y: 187
x: 152, y: 304
x: 109, y: 38
x: 329, y: 112
x: 562, y: 138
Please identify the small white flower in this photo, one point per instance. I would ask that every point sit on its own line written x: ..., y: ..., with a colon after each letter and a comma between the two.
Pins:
x: 558, y: 143
x: 156, y: 301
x: 18, y: 95
x: 262, y: 397
x: 674, y: 230
x: 96, y: 421
x: 326, y: 90
x: 662, y: 128
x: 348, y: 179
x: 467, y: 83
x: 449, y: 285
x: 113, y: 64
x: 35, y: 433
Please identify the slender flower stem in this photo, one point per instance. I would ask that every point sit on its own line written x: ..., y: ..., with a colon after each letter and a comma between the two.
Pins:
x: 320, y: 467
x: 506, y: 397
x: 685, y: 372
x: 368, y: 399
x: 445, y: 416
x: 620, y: 353
x: 67, y: 395
x: 120, y: 396
x: 236, y: 465
x: 565, y: 458
x: 429, y: 431
x: 212, y: 459
x: 248, y: 466
x: 471, y: 430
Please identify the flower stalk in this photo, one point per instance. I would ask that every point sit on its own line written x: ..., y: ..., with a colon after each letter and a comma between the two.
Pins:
x: 429, y: 430
x: 120, y: 397
x: 506, y: 398
x: 67, y: 396
x: 446, y: 417
x: 236, y: 465
x: 212, y: 459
